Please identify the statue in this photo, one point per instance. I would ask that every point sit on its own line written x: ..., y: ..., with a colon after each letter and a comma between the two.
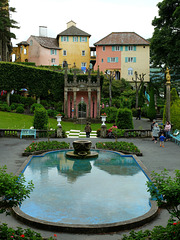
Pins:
x: 168, y: 76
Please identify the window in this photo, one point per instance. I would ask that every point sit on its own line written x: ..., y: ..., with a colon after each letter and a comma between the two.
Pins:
x: 64, y: 53
x: 130, y: 48
x: 117, y: 48
x: 104, y: 48
x: 25, y: 51
x: 53, y: 52
x: 130, y: 59
x: 31, y: 42
x: 112, y: 59
x: 102, y: 60
x: 64, y: 39
x: 83, y: 39
x: 53, y: 60
x: 130, y: 71
x: 83, y: 64
x: 75, y: 39
x: 83, y: 52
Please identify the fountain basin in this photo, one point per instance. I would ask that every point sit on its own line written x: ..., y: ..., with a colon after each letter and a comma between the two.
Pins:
x: 82, y: 150
x: 67, y: 186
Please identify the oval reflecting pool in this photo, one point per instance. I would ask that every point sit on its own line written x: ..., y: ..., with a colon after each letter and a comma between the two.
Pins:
x: 108, y: 189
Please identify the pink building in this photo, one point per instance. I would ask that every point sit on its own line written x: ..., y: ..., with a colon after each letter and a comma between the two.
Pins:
x: 43, y: 51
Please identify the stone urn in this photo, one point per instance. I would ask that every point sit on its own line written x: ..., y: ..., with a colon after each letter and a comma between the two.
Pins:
x: 59, y: 119
x: 103, y: 119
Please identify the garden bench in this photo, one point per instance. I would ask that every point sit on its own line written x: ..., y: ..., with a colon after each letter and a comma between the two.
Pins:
x: 28, y: 132
x: 176, y: 136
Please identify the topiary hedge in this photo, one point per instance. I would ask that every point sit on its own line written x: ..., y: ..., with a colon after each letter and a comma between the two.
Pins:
x: 40, y: 118
x: 124, y: 119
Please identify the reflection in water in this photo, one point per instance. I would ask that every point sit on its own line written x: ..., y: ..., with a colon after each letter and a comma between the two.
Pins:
x: 108, y: 189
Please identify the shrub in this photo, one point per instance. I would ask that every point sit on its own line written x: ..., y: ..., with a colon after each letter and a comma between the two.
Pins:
x: 175, y: 114
x: 13, y: 190
x: 35, y: 106
x: 111, y: 114
x: 51, y: 112
x: 13, y: 106
x: 20, y: 109
x: 124, y: 119
x: 166, y: 190
x: 48, y: 145
x: 118, y: 146
x: 40, y: 118
x: 4, y: 107
x: 144, y: 111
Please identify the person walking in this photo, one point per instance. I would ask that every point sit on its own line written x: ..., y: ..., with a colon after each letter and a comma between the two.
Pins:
x: 155, y: 132
x: 161, y: 140
x: 87, y: 130
x: 138, y: 113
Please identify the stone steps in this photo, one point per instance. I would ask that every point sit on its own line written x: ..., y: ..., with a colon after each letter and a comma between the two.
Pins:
x: 78, y: 134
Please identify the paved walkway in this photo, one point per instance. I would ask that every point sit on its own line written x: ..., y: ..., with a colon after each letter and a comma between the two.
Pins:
x: 154, y: 158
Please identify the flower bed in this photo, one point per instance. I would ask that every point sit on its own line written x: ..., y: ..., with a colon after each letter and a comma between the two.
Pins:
x: 124, y: 147
x: 39, y: 147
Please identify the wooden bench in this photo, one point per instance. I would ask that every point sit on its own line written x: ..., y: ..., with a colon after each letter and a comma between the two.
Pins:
x: 28, y: 132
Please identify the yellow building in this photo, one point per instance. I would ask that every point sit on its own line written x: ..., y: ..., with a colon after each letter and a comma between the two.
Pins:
x: 75, y: 47
x: 21, y: 52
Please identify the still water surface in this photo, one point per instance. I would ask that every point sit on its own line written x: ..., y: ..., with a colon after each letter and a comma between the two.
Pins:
x: 108, y: 189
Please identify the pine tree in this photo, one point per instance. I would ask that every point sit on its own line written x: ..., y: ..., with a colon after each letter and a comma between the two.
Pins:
x: 5, y: 33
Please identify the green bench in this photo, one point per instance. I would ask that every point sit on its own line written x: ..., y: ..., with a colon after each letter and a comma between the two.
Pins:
x: 28, y: 132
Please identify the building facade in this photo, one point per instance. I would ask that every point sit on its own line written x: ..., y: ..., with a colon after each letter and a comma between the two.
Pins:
x: 75, y: 47
x: 43, y: 50
x: 124, y: 53
x: 82, y: 98
x: 21, y: 52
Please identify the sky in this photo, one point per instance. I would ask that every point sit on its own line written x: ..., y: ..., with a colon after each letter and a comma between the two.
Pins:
x: 98, y: 18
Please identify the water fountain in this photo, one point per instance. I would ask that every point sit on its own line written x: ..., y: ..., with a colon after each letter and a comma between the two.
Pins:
x: 82, y: 150
x: 86, y: 191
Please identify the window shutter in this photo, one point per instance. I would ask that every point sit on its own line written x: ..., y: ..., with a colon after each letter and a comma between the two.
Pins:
x: 121, y: 48
x: 113, y: 48
x: 80, y: 39
x: 67, y: 39
x: 108, y: 59
x: 134, y: 48
x: 126, y: 59
x: 86, y: 39
x: 61, y: 38
x: 116, y: 59
x: 134, y: 59
x: 126, y: 48
x: 55, y: 52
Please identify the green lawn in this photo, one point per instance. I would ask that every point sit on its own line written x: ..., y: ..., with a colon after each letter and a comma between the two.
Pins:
x: 10, y: 120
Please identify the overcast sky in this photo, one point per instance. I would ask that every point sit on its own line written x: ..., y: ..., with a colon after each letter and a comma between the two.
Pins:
x: 96, y: 17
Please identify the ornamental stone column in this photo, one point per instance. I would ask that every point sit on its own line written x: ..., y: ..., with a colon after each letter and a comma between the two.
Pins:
x: 89, y: 103
x: 168, y: 94
x: 75, y: 114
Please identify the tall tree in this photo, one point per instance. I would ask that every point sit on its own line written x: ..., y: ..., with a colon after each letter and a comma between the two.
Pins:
x: 6, y: 23
x: 165, y: 43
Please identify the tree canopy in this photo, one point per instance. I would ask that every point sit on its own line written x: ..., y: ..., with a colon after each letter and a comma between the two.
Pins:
x: 6, y: 24
x: 165, y: 43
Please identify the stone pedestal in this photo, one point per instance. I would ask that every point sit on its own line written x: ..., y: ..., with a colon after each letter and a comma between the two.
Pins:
x: 59, y: 132
x: 103, y: 131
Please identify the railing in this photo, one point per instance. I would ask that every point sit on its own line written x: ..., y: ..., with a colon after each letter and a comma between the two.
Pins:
x: 17, y: 133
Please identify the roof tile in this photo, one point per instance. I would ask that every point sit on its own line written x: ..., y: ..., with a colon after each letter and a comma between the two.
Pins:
x: 122, y: 38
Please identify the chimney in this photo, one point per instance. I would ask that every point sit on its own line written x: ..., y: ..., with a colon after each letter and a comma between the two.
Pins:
x: 42, y: 31
x: 70, y: 24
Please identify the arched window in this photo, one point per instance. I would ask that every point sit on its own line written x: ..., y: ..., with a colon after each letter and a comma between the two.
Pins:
x: 130, y: 71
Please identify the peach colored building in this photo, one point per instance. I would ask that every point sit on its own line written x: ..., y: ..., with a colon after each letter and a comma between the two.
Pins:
x: 43, y: 51
x: 125, y: 53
